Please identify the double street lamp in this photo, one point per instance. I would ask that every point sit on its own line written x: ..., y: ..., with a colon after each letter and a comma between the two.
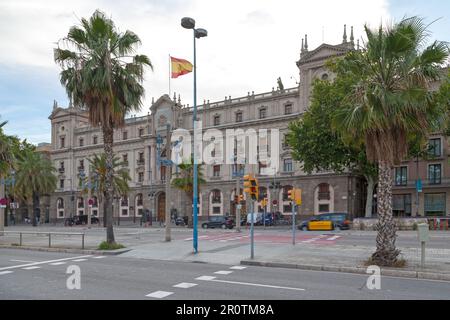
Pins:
x: 189, y: 23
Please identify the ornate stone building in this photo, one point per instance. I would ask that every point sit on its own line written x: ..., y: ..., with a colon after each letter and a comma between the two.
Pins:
x: 73, y: 141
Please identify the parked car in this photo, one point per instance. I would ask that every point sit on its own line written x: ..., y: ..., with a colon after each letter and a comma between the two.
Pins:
x: 340, y: 221
x: 218, y: 222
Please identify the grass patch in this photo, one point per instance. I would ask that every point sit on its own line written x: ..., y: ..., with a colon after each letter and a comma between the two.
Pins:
x: 15, y: 244
x: 110, y: 246
x: 400, y: 263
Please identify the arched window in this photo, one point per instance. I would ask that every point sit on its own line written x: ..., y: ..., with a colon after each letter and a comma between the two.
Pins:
x: 216, y: 196
x: 60, y: 207
x: 139, y: 200
x: 324, y: 191
x: 60, y: 203
x: 215, y: 202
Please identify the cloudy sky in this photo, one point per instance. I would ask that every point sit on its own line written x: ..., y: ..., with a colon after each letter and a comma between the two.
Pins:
x: 250, y: 44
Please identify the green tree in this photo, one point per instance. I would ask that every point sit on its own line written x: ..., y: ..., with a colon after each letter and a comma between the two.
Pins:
x: 184, y: 180
x: 101, y: 74
x: 318, y: 147
x: 34, y: 177
x: 390, y: 102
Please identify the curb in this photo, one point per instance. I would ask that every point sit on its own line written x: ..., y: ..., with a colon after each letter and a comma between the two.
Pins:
x: 69, y: 250
x: 426, y: 275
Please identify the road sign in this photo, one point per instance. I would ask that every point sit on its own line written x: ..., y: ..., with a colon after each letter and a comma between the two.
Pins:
x: 419, y: 185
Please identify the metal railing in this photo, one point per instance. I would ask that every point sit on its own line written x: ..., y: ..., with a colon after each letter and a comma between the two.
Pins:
x: 49, y: 234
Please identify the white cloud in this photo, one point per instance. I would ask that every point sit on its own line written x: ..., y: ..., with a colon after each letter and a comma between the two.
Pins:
x: 250, y: 43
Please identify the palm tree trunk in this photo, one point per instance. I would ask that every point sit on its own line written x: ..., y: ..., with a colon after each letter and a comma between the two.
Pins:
x: 386, y: 253
x: 369, y: 198
x: 108, y: 210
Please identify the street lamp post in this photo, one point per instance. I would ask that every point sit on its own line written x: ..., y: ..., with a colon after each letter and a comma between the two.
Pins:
x: 189, y: 23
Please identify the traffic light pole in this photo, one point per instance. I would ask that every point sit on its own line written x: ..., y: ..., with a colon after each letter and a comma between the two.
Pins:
x: 238, y: 205
x: 252, y: 239
x: 293, y: 223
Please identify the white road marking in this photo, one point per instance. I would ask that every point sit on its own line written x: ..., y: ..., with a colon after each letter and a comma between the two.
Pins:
x: 79, y: 260
x: 5, y: 272
x: 223, y: 272
x: 99, y: 257
x: 185, y: 285
x: 205, y: 278
x: 31, y: 268
x: 28, y: 261
x: 250, y: 284
x: 159, y: 294
x: 333, y: 238
x: 238, y: 268
x: 57, y: 263
x: 42, y: 262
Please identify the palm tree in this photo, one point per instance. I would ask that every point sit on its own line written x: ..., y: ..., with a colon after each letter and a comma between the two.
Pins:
x: 5, y: 151
x: 35, y: 177
x: 390, y: 103
x: 96, y: 180
x: 184, y: 180
x: 101, y: 75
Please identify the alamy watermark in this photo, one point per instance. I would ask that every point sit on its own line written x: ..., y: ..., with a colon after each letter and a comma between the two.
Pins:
x: 238, y: 146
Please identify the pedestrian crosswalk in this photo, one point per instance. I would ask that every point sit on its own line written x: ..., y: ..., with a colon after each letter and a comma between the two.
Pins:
x: 224, y: 237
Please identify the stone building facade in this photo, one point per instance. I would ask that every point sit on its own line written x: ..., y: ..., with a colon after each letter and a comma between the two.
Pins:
x: 73, y: 141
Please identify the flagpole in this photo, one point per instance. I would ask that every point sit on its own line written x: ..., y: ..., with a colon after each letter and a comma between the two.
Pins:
x: 169, y: 74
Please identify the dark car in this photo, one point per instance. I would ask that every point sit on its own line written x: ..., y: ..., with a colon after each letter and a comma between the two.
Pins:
x: 218, y: 222
x: 341, y: 221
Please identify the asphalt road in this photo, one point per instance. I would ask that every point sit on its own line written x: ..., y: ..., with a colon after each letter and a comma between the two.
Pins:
x: 42, y: 275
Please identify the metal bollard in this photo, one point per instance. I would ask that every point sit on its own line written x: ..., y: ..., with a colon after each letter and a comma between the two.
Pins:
x: 20, y: 242
x: 49, y: 240
x: 82, y: 241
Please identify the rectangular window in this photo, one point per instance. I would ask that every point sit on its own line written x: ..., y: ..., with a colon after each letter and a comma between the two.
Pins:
x: 216, y: 171
x: 434, y: 147
x: 125, y: 158
x: 238, y: 116
x: 324, y: 208
x: 434, y: 173
x: 288, y: 109
x: 262, y: 113
x: 216, y: 120
x: 141, y: 157
x: 401, y: 205
x: 141, y: 132
x: 81, y: 142
x: 94, y: 140
x: 62, y: 142
x: 401, y: 176
x: 435, y: 204
x: 216, y: 210
x: 287, y: 208
x: 61, y: 183
x: 140, y: 177
x: 124, y: 212
x: 124, y: 135
x: 287, y: 165
x: 163, y: 173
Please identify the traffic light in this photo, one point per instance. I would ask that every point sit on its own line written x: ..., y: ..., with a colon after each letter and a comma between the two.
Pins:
x: 264, y: 202
x: 251, y: 186
x: 291, y: 194
x: 298, y: 196
x: 241, y: 198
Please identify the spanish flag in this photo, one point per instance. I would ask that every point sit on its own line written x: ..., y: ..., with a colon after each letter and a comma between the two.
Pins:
x: 180, y: 67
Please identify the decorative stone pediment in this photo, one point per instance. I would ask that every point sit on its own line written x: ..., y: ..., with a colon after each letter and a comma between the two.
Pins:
x: 323, y: 52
